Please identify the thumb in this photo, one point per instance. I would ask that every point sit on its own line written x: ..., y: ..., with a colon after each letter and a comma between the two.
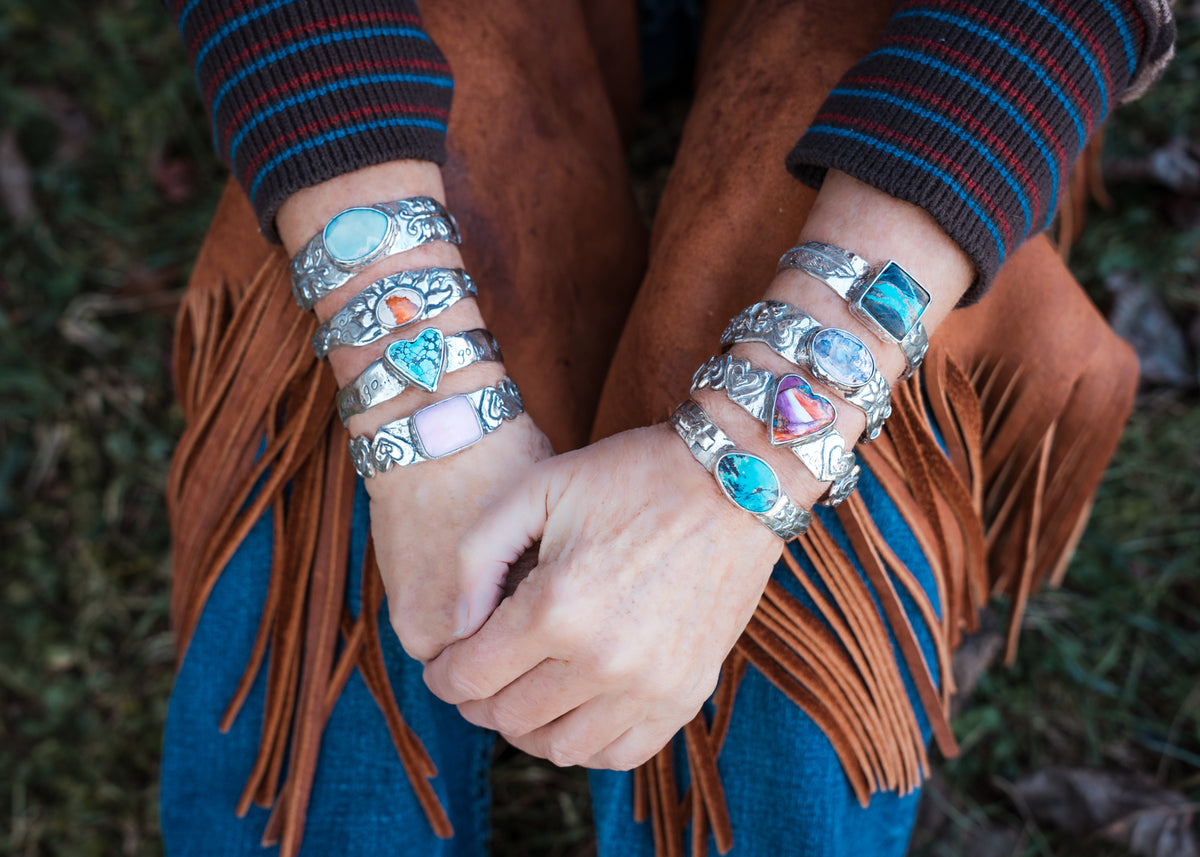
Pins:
x: 500, y: 550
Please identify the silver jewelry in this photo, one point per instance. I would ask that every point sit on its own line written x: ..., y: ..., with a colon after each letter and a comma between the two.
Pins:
x: 748, y: 481
x: 835, y: 357
x: 805, y: 427
x: 888, y: 300
x: 438, y: 430
x: 356, y: 237
x: 386, y: 378
x: 391, y: 303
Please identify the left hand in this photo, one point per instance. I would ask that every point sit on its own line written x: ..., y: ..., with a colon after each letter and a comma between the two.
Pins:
x: 646, y: 577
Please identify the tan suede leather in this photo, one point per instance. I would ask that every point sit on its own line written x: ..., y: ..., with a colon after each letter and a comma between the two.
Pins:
x: 539, y: 183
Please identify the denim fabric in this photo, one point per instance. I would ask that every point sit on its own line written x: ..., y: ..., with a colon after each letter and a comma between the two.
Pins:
x: 785, y: 788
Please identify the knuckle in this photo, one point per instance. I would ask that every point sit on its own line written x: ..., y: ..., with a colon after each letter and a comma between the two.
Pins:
x: 561, y: 755
x: 460, y: 688
x: 507, y: 721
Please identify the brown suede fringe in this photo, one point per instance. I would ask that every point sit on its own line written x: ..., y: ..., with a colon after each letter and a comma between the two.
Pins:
x: 992, y: 455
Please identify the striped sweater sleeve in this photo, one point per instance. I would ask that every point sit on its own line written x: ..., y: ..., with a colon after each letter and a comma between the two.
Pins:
x: 301, y: 91
x: 976, y: 111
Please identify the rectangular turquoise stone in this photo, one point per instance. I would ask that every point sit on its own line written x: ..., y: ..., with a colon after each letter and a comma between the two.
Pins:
x: 894, y: 300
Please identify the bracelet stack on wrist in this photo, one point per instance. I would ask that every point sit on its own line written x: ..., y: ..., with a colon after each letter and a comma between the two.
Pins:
x: 349, y: 243
x: 887, y: 300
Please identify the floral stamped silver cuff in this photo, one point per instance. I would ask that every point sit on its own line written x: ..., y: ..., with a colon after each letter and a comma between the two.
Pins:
x: 356, y: 237
x: 391, y: 303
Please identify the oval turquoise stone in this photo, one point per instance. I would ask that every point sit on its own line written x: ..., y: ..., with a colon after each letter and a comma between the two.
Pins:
x: 354, y: 234
x: 843, y: 357
x: 748, y: 481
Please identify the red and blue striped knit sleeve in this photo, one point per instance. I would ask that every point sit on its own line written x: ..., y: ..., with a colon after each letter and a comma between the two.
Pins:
x: 976, y: 111
x: 301, y: 91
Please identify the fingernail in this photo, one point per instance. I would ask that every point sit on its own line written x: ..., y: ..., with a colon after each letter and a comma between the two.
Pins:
x: 462, y: 615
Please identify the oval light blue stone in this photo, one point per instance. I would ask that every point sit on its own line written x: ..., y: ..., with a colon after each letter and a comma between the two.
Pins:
x: 843, y: 357
x: 748, y: 481
x: 354, y: 234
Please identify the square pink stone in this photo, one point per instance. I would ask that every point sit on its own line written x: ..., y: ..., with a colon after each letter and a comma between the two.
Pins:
x: 447, y: 426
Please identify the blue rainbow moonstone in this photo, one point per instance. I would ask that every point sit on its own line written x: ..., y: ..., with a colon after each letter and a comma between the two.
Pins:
x: 419, y: 359
x: 354, y: 234
x: 842, y: 357
x: 748, y: 481
x: 895, y: 300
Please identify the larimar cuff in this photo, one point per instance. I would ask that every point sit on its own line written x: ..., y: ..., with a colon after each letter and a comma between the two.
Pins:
x: 748, y: 481
x: 356, y: 237
x: 796, y: 418
x: 391, y: 303
x: 438, y: 430
x: 406, y: 361
x: 888, y: 300
x: 835, y: 357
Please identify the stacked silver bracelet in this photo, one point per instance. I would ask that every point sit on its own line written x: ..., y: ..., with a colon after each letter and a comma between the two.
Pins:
x: 834, y: 356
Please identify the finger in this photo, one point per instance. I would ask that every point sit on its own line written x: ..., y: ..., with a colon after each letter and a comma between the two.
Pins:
x: 542, y: 695
x: 496, y: 541
x: 634, y: 747
x: 579, y: 736
x: 510, y: 644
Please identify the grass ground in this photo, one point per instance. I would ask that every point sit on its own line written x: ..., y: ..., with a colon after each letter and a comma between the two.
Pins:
x: 106, y: 181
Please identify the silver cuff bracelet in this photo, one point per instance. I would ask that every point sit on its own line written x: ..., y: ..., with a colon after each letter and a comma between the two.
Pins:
x: 835, y: 357
x: 356, y: 237
x: 748, y: 481
x: 438, y: 430
x: 887, y: 299
x: 796, y: 417
x: 391, y: 303
x: 392, y: 374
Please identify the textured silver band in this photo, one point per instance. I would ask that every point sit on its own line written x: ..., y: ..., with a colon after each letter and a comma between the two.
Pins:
x: 358, y: 322
x: 849, y: 275
x: 789, y: 333
x: 411, y: 222
x: 398, y: 443
x: 379, y: 383
x: 754, y: 391
x: 708, y: 444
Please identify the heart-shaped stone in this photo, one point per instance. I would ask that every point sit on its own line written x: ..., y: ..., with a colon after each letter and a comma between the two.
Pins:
x: 419, y: 359
x: 798, y: 412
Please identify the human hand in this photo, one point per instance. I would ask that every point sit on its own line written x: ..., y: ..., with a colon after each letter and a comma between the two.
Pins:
x: 647, y: 575
x: 419, y: 513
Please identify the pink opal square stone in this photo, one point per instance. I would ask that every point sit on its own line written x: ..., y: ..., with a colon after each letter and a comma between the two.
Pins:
x: 447, y: 426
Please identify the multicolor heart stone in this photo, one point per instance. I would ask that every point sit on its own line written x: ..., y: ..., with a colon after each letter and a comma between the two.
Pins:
x: 419, y: 359
x: 398, y: 307
x: 354, y: 234
x: 748, y: 481
x: 798, y: 412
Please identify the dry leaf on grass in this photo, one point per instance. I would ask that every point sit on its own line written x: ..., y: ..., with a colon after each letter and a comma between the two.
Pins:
x: 1121, y: 806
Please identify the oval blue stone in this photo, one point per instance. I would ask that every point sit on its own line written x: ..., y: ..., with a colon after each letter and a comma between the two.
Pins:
x: 748, y: 481
x: 354, y: 234
x: 842, y: 357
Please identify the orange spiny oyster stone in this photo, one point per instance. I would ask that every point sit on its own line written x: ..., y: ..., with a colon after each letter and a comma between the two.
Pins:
x: 398, y: 307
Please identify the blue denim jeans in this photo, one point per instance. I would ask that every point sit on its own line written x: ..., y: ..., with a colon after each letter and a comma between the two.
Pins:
x: 786, y: 791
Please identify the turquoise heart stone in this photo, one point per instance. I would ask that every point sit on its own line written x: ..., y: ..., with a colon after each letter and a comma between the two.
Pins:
x: 354, y: 234
x: 748, y: 481
x: 419, y: 359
